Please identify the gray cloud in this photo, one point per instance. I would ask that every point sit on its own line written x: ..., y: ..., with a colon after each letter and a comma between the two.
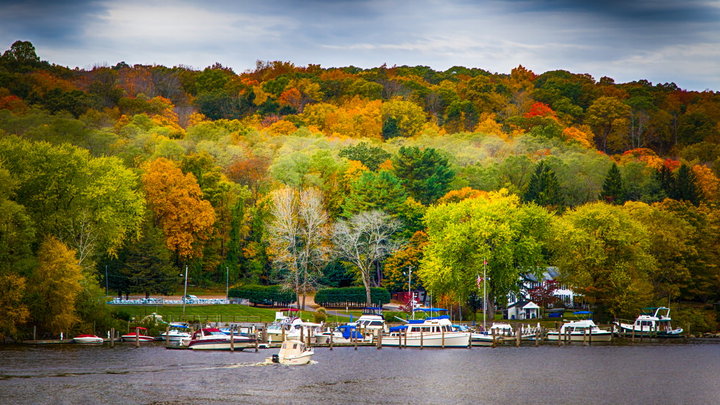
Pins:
x: 659, y: 40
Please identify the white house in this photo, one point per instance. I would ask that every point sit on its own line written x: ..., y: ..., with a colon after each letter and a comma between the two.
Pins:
x: 523, y: 310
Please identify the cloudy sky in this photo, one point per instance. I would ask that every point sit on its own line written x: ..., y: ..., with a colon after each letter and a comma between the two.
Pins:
x: 658, y: 40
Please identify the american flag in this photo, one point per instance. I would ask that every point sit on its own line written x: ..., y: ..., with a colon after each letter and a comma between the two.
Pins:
x: 479, y: 281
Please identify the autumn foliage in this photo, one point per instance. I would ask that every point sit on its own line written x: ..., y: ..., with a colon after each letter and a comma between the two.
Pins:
x: 176, y: 200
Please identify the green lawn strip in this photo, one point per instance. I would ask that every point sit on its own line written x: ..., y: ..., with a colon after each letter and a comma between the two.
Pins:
x: 203, y: 313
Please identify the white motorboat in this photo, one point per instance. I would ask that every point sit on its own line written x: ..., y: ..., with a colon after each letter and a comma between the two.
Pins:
x: 500, y: 332
x: 173, y: 335
x: 430, y: 332
x: 580, y: 331
x: 88, y: 339
x: 215, y: 339
x: 293, y: 353
x: 371, y: 320
x: 655, y: 323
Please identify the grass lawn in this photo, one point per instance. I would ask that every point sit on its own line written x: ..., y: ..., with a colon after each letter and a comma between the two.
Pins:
x: 204, y: 313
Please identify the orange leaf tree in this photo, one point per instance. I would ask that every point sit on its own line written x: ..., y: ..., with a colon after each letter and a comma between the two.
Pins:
x: 180, y: 211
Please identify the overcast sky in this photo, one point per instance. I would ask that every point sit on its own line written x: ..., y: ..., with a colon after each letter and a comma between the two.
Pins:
x: 657, y: 40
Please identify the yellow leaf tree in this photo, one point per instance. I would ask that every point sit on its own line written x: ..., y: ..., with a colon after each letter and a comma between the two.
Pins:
x: 12, y: 310
x: 180, y: 211
x: 55, y: 286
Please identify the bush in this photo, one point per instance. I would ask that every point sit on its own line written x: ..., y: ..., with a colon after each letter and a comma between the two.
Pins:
x: 319, y: 316
x: 264, y: 295
x: 351, y: 297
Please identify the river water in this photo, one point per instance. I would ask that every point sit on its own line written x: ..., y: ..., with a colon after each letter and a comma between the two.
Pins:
x: 639, y: 374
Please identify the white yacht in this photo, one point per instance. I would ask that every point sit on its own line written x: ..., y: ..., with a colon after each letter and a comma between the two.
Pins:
x: 655, y: 323
x: 215, y: 339
x: 430, y: 332
x: 580, y: 331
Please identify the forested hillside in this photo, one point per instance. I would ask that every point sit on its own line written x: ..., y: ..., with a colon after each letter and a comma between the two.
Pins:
x: 123, y: 175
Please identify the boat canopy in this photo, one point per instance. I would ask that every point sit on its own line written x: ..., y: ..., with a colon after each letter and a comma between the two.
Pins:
x: 582, y: 312
x: 398, y: 328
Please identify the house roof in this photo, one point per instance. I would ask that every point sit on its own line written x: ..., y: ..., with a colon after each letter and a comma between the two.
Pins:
x: 524, y: 304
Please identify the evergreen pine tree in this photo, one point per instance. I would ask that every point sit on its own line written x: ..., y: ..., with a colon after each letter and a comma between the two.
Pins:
x: 612, y: 190
x: 685, y: 186
x: 667, y: 181
x: 544, y: 188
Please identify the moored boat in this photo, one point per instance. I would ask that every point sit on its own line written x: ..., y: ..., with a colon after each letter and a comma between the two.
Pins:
x: 88, y: 339
x: 655, y: 323
x: 500, y: 332
x: 430, y: 332
x: 137, y: 335
x: 343, y: 334
x: 580, y: 331
x: 215, y: 339
x: 293, y: 353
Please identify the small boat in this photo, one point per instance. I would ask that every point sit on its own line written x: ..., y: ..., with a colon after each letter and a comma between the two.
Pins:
x: 371, y: 320
x: 173, y: 335
x: 430, y: 332
x: 87, y: 339
x: 343, y: 334
x: 655, y: 323
x: 293, y: 353
x: 502, y: 332
x: 215, y: 339
x: 137, y: 335
x: 580, y: 331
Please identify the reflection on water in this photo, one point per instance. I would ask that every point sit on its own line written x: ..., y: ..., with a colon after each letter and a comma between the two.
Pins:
x: 660, y: 374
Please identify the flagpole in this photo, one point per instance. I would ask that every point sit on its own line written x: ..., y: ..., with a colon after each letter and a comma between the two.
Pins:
x: 484, y: 294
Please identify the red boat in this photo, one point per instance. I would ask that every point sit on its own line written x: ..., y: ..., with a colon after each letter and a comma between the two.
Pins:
x: 87, y: 339
x: 138, y: 335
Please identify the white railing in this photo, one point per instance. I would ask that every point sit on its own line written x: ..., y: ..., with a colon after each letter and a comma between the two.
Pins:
x: 161, y: 301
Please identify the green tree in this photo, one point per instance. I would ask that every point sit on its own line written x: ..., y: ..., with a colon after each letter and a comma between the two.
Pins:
x: 686, y: 188
x: 544, y: 188
x: 604, y: 253
x: 612, y: 191
x: 146, y: 264
x: 91, y: 204
x: 425, y: 173
x: 370, y: 156
x: 375, y: 191
x: 498, y: 230
x: 672, y: 246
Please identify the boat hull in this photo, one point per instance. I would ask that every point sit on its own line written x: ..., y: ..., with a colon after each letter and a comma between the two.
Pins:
x: 299, y: 360
x: 580, y: 337
x: 88, y: 340
x: 435, y: 340
x: 141, y: 338
x: 220, y: 344
x: 627, y: 330
x: 483, y: 340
